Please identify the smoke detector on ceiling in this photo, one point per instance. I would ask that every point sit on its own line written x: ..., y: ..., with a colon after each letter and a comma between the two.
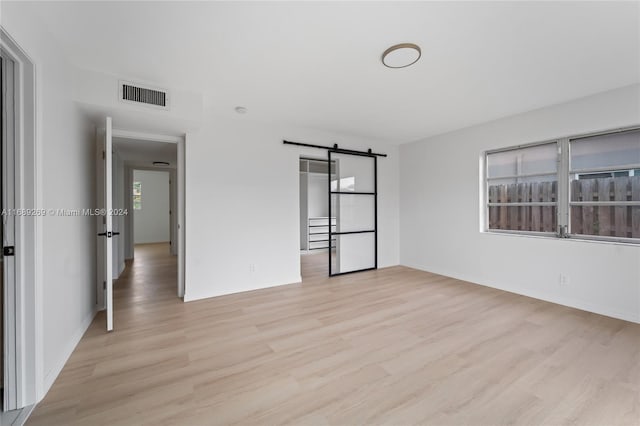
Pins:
x: 142, y: 94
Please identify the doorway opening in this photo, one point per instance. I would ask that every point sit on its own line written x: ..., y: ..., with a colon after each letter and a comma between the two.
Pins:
x: 153, y: 210
x: 315, y: 220
x: 338, y: 211
x: 148, y: 210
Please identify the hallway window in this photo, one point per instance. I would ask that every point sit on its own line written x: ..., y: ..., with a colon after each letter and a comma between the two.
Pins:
x: 137, y: 195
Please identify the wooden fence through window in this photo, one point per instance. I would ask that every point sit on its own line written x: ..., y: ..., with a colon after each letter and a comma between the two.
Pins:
x: 609, y: 221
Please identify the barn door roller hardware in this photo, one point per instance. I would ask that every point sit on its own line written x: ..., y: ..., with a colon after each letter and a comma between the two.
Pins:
x: 337, y: 149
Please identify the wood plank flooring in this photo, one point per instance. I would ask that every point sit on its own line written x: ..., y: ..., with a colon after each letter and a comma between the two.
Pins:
x: 314, y: 266
x: 394, y: 346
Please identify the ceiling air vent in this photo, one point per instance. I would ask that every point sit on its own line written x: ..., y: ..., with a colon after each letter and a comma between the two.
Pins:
x: 140, y: 94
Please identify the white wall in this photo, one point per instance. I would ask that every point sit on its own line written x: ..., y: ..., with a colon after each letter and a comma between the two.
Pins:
x: 151, y: 224
x: 242, y: 205
x: 318, y: 203
x: 66, y: 176
x: 173, y: 201
x: 98, y: 91
x: 440, y: 214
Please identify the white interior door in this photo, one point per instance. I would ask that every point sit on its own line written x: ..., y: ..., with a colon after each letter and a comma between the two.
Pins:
x: 104, y: 221
x: 10, y: 361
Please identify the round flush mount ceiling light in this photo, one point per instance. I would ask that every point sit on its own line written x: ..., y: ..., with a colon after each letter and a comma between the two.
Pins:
x: 241, y: 110
x: 401, y: 55
x: 160, y: 163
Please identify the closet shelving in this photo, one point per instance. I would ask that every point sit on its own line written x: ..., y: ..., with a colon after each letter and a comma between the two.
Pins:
x: 314, y: 204
x: 318, y: 233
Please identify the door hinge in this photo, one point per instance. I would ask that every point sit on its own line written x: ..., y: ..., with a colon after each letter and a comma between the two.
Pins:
x: 9, y: 251
x: 104, y: 285
x: 103, y: 155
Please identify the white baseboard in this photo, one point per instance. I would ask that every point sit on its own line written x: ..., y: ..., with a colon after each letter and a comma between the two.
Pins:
x: 16, y: 417
x: 572, y: 303
x: 191, y: 297
x: 52, y: 375
x: 23, y: 416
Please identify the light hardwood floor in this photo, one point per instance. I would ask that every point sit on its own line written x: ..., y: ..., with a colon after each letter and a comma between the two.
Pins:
x: 314, y: 266
x: 393, y: 346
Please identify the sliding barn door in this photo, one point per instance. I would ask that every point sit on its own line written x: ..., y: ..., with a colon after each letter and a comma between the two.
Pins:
x: 353, y: 206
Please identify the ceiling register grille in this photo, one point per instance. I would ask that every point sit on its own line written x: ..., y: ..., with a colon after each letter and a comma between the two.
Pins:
x: 130, y: 92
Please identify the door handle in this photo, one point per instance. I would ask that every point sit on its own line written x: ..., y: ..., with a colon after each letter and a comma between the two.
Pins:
x: 108, y: 234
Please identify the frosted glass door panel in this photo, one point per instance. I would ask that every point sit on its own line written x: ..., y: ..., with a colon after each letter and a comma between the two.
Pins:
x: 353, y: 205
x: 356, y: 212
x: 353, y: 173
x: 353, y: 252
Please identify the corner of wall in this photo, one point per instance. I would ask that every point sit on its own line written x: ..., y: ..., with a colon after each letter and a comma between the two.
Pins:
x: 608, y: 286
x: 190, y: 297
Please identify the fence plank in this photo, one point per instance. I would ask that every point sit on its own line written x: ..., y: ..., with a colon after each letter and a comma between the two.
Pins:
x: 605, y: 227
x: 536, y: 211
x: 493, y: 198
x: 588, y: 226
x: 620, y: 190
x: 513, y: 211
x: 554, y: 209
x: 635, y: 215
x: 576, y: 211
x: 547, y: 211
x: 503, y: 209
x: 524, y: 190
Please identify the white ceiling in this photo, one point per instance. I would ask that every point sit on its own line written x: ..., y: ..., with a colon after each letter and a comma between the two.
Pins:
x: 317, y: 64
x: 142, y: 154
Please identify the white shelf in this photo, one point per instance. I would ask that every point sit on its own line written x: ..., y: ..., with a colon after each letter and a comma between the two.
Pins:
x: 318, y: 232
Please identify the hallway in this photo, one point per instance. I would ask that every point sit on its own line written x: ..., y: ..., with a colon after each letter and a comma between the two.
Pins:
x: 150, y: 278
x: 106, y: 369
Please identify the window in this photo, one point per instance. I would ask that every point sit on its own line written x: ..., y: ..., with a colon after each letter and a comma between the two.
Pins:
x: 137, y: 195
x: 605, y: 185
x: 522, y: 186
x: 586, y: 187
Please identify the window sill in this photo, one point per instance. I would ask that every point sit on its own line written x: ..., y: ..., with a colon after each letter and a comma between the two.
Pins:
x: 552, y: 237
